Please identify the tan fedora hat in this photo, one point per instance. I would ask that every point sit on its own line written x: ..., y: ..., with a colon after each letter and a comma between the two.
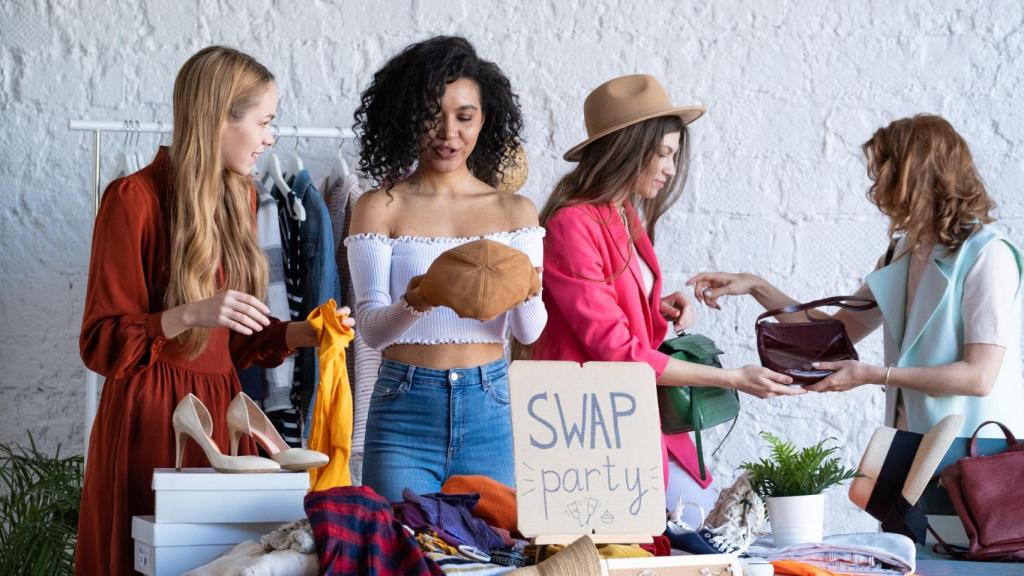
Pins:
x: 577, y: 559
x: 624, y: 101
x: 899, y: 465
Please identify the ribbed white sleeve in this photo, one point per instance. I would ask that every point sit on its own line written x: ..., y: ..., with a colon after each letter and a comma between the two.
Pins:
x: 527, y: 320
x: 379, y: 320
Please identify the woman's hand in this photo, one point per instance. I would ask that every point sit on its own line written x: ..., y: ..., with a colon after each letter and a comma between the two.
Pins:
x: 708, y: 287
x: 231, y: 309
x: 302, y: 335
x: 540, y: 271
x: 762, y: 382
x: 414, y: 298
x: 677, y: 308
x: 846, y: 375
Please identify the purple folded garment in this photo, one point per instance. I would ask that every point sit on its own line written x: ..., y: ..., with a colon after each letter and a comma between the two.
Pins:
x: 412, y: 515
x: 450, y: 515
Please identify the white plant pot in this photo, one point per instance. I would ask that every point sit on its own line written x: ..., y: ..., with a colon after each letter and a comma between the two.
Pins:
x: 797, y: 519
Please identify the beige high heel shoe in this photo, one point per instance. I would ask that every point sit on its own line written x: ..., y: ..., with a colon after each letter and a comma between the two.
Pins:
x: 246, y: 417
x: 191, y: 418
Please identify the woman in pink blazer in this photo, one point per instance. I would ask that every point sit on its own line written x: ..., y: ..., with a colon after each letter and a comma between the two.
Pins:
x: 604, y: 303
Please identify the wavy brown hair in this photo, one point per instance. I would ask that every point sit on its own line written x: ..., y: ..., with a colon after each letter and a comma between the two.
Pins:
x: 213, y: 236
x: 924, y: 179
x: 611, y: 167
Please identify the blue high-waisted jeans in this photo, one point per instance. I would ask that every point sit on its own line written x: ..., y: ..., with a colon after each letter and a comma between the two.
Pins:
x: 425, y: 425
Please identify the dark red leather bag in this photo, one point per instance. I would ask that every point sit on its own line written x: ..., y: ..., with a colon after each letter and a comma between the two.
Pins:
x: 790, y: 347
x: 985, y: 491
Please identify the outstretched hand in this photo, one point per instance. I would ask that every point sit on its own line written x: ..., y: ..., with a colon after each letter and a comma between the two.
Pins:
x: 708, y: 287
x: 764, y: 383
x: 846, y: 375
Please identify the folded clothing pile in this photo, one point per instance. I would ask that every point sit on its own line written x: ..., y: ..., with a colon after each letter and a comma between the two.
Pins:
x: 875, y: 553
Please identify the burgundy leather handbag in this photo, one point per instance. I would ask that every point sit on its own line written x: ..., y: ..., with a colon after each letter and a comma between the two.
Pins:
x: 790, y: 347
x: 985, y: 491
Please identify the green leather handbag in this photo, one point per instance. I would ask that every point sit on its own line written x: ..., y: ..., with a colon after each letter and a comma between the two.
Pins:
x: 695, y: 408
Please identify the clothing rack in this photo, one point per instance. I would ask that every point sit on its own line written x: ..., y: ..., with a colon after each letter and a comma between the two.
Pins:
x: 98, y: 127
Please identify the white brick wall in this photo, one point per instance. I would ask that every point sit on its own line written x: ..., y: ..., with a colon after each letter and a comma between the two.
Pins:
x: 777, y: 183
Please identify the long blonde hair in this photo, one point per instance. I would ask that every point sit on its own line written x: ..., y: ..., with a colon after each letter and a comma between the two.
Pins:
x: 924, y: 180
x: 212, y: 228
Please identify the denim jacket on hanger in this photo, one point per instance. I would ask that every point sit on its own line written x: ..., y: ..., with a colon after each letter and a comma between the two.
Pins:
x: 321, y: 282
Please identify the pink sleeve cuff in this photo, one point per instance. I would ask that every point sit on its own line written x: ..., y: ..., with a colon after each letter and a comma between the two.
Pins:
x: 658, y: 361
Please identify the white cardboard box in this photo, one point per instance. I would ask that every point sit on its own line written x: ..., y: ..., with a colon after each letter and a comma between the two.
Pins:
x: 170, y: 549
x: 203, y: 496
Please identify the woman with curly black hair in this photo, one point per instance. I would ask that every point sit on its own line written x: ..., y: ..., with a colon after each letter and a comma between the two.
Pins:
x: 437, y: 126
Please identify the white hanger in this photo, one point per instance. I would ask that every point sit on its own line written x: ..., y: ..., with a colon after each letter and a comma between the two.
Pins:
x: 163, y: 135
x: 140, y: 160
x: 341, y: 165
x: 274, y: 167
x: 296, y: 161
x: 294, y: 209
x: 124, y: 160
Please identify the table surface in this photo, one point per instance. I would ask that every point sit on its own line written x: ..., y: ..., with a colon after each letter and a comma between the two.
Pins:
x: 931, y: 564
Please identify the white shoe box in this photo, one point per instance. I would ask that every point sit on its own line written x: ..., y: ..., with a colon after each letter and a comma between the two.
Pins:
x: 204, y: 496
x: 171, y: 549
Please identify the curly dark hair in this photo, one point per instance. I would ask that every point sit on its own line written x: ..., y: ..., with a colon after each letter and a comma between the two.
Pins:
x: 404, y: 100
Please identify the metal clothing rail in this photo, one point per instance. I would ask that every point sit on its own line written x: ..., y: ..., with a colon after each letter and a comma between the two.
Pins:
x: 98, y: 127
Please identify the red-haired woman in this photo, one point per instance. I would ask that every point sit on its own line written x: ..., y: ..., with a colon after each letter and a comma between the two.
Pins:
x: 949, y: 297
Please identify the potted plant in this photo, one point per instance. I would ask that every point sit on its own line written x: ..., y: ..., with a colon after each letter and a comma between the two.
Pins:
x: 792, y: 482
x: 39, y: 497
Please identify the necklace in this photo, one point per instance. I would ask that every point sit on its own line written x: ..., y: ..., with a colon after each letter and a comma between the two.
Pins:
x: 625, y: 219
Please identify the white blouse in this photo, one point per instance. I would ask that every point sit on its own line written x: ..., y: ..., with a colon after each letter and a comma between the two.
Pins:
x: 381, y: 268
x: 991, y: 310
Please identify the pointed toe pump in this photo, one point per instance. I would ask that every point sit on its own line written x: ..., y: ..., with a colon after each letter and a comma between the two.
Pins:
x: 246, y: 417
x: 192, y: 419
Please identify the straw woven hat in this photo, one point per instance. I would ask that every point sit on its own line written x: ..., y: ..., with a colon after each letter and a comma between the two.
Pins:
x: 890, y: 450
x: 577, y: 559
x: 512, y: 179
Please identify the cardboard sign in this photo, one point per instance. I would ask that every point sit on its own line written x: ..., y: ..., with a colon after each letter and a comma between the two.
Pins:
x: 587, y: 448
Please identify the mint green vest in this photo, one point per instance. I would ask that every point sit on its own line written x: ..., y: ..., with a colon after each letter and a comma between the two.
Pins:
x: 934, y: 335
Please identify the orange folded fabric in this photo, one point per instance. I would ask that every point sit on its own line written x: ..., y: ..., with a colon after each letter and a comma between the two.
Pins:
x: 497, y: 504
x: 332, y: 414
x: 794, y: 568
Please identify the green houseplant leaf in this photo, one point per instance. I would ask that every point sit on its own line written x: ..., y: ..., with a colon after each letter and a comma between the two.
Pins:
x: 39, y: 499
x: 792, y: 472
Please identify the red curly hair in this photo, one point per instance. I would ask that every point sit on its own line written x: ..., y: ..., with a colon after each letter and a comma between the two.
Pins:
x: 924, y: 179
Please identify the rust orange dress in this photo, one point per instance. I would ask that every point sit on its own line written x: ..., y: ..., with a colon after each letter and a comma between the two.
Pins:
x: 146, y: 374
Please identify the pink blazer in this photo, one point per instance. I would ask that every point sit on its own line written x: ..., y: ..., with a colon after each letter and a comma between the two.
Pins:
x: 599, y: 310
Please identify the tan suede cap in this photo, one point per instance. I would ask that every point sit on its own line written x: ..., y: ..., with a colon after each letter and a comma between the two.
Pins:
x: 480, y: 279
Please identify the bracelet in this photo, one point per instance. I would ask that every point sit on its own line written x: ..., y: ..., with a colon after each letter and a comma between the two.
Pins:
x: 887, y: 372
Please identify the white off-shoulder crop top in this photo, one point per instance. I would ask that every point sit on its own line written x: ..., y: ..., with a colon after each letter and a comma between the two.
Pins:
x: 381, y: 268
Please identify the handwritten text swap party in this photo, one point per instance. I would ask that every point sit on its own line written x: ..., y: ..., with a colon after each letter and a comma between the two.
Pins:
x: 586, y: 422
